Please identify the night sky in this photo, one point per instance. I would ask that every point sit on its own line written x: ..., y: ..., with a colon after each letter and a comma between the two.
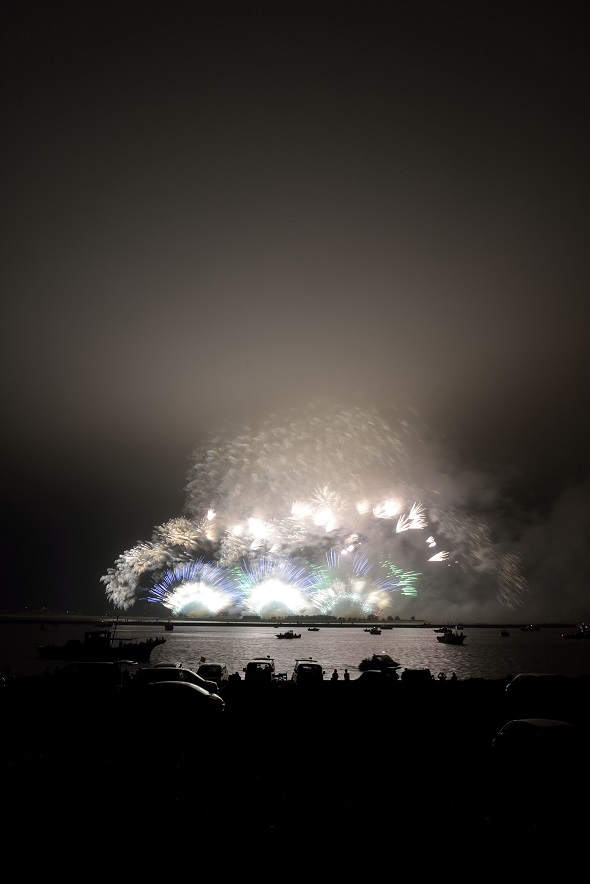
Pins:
x: 212, y: 212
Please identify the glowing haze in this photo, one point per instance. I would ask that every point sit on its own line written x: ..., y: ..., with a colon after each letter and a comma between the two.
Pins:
x: 315, y: 510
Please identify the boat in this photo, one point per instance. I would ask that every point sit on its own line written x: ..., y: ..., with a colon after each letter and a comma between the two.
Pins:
x: 374, y: 630
x: 379, y: 661
x: 288, y: 634
x: 583, y: 631
x: 451, y: 638
x: 169, y: 627
x: 443, y: 629
x: 101, y: 645
x: 504, y: 633
x: 529, y: 628
x: 313, y: 628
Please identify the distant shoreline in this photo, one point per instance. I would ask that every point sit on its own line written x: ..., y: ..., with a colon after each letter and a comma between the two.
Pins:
x: 105, y: 622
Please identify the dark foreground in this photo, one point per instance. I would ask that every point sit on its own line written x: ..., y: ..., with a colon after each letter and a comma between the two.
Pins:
x: 337, y: 776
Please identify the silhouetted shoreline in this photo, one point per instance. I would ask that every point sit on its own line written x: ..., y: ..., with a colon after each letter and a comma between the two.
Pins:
x: 97, y: 620
x: 282, y: 758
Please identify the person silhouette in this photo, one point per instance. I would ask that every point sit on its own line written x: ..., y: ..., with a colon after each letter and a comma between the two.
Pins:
x: 346, y: 675
x: 335, y: 675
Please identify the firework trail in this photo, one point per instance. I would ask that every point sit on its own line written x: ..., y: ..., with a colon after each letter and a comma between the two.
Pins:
x: 315, y: 510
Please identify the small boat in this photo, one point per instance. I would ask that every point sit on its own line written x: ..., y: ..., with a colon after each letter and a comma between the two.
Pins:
x: 374, y: 630
x: 451, y: 638
x: 169, y: 627
x: 288, y: 634
x: 379, y: 661
x: 504, y: 633
x: 101, y: 645
x: 443, y: 629
x: 313, y: 628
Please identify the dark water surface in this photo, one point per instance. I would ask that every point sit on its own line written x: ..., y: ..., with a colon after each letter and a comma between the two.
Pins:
x: 485, y: 653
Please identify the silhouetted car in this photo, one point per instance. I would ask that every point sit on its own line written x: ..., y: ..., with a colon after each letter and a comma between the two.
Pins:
x: 260, y: 671
x: 170, y: 707
x: 422, y: 677
x: 216, y: 672
x: 307, y: 672
x: 541, y: 695
x: 535, y: 764
x: 526, y: 742
x: 377, y: 677
x: 146, y: 676
x: 529, y: 683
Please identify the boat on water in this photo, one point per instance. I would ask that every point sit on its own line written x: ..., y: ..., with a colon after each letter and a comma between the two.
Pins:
x: 288, y: 634
x: 443, y: 629
x: 504, y: 633
x: 379, y: 661
x: 451, y: 638
x: 169, y: 627
x: 374, y: 630
x: 529, y: 628
x: 583, y: 631
x: 313, y: 628
x: 101, y: 645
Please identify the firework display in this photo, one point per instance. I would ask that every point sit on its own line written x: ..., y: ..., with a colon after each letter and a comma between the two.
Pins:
x: 317, y: 510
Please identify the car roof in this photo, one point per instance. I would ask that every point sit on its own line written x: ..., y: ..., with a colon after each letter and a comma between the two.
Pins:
x: 182, y: 685
x: 538, y: 675
x: 539, y: 722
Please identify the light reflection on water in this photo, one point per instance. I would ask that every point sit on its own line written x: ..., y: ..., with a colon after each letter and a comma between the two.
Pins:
x: 485, y: 653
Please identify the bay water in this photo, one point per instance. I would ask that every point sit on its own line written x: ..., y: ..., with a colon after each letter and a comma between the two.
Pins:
x: 484, y: 654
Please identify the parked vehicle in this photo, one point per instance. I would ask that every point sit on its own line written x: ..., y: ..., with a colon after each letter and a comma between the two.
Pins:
x: 537, y: 684
x: 182, y: 698
x: 216, y: 672
x: 181, y: 673
x: 417, y: 677
x: 307, y: 672
x: 533, y: 740
x: 260, y: 671
x: 378, y: 677
x: 536, y: 759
